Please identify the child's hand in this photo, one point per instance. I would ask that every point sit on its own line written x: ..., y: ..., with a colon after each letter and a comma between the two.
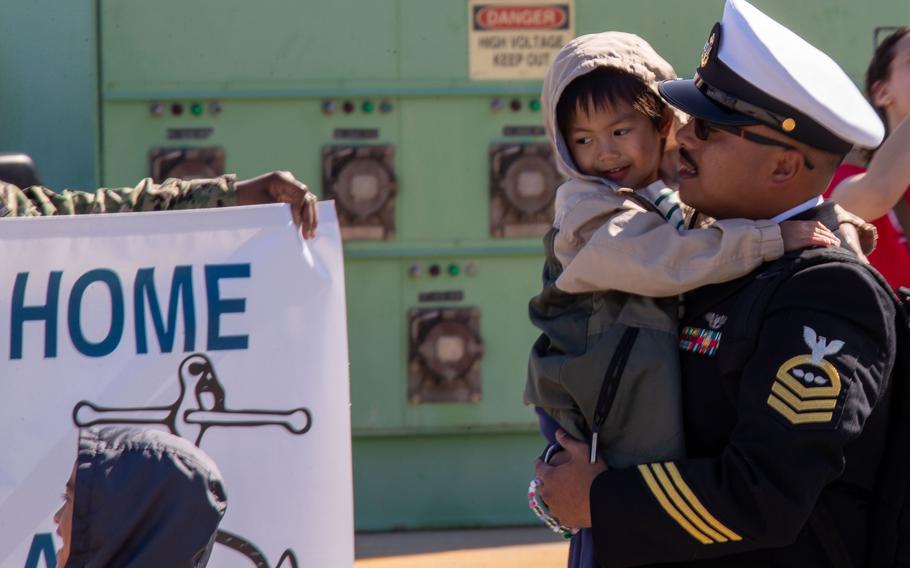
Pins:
x: 803, y: 234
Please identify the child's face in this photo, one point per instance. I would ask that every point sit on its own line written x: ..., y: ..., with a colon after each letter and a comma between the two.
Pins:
x: 617, y: 142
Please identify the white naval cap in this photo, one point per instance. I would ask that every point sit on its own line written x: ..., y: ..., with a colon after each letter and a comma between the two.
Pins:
x: 756, y: 71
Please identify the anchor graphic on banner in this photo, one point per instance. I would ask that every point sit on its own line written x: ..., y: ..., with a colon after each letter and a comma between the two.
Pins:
x: 191, y: 416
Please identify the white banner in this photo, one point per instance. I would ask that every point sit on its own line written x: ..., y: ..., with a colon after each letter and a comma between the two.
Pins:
x: 102, y: 317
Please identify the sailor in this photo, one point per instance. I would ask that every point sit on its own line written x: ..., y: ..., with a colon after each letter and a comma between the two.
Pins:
x: 784, y: 378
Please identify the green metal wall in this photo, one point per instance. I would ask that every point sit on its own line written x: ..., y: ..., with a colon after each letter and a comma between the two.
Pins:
x: 49, y: 87
x: 271, y: 65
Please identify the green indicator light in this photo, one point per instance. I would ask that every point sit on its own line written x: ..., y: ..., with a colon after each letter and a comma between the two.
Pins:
x: 196, y: 109
x: 454, y: 270
x: 534, y: 104
x: 368, y: 106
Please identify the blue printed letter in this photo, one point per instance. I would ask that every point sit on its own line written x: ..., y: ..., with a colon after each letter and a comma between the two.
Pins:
x: 20, y: 313
x: 182, y: 284
x: 217, y: 306
x: 42, y: 545
x: 107, y: 345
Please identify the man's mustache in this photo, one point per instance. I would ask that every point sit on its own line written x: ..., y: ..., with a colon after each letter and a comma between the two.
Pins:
x: 684, y: 155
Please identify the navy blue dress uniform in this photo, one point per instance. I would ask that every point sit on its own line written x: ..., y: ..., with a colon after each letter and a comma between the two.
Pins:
x: 784, y: 378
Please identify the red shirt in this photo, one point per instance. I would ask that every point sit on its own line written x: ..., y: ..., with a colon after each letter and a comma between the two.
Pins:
x: 891, y: 256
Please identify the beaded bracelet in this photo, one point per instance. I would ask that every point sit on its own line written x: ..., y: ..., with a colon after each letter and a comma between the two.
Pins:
x: 543, y: 513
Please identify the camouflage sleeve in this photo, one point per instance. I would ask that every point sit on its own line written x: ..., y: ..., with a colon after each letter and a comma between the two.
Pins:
x: 173, y: 194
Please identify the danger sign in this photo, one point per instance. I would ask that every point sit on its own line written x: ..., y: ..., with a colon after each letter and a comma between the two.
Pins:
x: 516, y: 39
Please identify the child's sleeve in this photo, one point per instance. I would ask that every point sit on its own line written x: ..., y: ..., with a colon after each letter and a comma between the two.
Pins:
x: 603, y: 246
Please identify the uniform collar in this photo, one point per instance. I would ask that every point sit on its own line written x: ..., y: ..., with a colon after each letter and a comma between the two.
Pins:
x: 794, y: 211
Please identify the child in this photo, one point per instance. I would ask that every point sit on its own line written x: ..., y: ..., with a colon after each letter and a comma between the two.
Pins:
x: 606, y: 364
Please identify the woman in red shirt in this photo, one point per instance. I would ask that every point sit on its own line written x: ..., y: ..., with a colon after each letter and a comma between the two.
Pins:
x: 872, y: 192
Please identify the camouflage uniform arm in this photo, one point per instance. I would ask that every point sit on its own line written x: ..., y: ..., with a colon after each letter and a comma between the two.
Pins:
x: 146, y: 196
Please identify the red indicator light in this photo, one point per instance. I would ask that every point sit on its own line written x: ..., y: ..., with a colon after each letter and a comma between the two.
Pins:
x: 348, y: 107
x: 176, y: 109
x: 434, y: 270
x: 515, y: 105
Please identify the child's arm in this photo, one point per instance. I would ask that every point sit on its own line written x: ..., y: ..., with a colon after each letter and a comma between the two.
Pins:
x: 873, y: 193
x: 632, y: 250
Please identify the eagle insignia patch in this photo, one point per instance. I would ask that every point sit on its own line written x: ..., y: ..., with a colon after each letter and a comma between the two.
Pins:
x: 806, y: 387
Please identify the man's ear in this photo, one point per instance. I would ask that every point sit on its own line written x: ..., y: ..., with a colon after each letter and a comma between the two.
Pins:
x: 881, y: 97
x: 788, y: 164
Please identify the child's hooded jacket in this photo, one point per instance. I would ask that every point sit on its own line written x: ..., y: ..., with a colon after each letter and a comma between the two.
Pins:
x: 143, y: 499
x: 602, y: 344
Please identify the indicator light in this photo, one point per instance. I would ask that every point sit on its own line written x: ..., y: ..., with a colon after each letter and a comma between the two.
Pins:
x: 454, y: 269
x: 157, y: 109
x: 176, y: 109
x: 534, y: 105
x: 515, y: 105
x: 329, y: 107
x: 385, y: 106
x: 347, y: 107
x: 434, y: 270
x: 414, y: 271
x: 196, y: 109
x: 215, y: 108
x: 496, y: 104
x: 368, y: 106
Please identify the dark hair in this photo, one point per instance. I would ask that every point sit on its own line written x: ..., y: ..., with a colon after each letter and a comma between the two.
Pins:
x: 880, y: 67
x: 604, y: 87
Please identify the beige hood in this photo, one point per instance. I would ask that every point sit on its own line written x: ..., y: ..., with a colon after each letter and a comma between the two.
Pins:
x: 619, y: 50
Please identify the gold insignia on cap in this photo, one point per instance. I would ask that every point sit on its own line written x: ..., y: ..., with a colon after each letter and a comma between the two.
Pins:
x: 709, y: 46
x: 806, y: 387
x: 788, y: 125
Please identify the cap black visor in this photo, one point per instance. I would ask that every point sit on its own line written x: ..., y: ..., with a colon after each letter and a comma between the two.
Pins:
x: 684, y: 95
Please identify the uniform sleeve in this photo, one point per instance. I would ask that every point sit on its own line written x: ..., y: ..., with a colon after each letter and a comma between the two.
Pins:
x: 637, y: 251
x: 173, y: 194
x: 819, y: 368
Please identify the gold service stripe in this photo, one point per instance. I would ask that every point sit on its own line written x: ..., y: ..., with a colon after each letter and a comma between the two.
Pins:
x: 693, y: 500
x: 668, y: 507
x: 681, y: 504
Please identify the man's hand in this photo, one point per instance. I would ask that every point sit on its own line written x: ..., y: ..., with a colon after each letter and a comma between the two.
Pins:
x: 565, y: 487
x: 281, y: 187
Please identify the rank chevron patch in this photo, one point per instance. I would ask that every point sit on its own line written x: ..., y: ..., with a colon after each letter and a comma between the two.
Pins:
x: 806, y: 387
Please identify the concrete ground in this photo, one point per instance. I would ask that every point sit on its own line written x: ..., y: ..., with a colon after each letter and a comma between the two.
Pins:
x: 534, y: 547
